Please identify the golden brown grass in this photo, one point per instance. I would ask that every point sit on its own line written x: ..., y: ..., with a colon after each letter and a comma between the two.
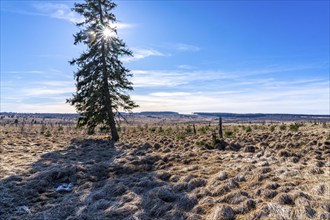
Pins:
x: 165, y: 172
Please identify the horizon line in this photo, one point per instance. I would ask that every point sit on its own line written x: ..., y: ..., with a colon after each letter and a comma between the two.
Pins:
x: 192, y: 113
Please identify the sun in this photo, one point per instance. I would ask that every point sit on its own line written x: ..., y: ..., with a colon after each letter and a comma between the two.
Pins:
x: 102, y: 33
x: 107, y: 33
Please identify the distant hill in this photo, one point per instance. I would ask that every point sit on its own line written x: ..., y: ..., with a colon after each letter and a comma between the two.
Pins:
x: 264, y: 116
x: 255, y: 115
x: 40, y: 115
x: 228, y: 117
x: 158, y: 113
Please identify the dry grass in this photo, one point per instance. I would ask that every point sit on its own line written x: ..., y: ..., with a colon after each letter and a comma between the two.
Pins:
x: 166, y: 172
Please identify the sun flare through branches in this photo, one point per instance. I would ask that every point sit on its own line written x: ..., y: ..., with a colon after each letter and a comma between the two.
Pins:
x: 107, y: 33
x: 103, y: 33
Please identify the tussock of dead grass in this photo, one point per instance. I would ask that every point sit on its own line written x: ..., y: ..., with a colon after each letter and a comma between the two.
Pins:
x: 222, y: 212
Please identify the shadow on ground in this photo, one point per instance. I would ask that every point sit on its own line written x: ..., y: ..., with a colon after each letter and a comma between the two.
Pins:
x: 109, y: 182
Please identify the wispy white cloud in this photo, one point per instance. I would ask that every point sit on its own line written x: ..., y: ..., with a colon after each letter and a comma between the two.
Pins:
x: 59, y: 11
x: 186, y: 47
x: 48, y: 89
x: 140, y: 53
x: 48, y: 107
x: 235, y: 91
x: 186, y: 67
x: 44, y: 92
x: 185, y: 92
x: 310, y: 99
x: 64, y: 12
x: 150, y: 78
x: 170, y: 78
x: 42, y: 73
x: 56, y: 83
x: 47, y: 96
x: 169, y: 94
x: 24, y: 72
x: 121, y: 25
x: 56, y: 56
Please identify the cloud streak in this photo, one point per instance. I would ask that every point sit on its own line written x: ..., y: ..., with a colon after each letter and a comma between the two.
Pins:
x: 35, y: 93
x: 176, y: 77
x: 59, y: 11
x: 48, y: 107
x: 236, y: 91
x: 311, y: 100
x: 45, y: 92
x: 64, y: 12
x: 186, y: 47
x: 140, y: 53
x: 188, y: 91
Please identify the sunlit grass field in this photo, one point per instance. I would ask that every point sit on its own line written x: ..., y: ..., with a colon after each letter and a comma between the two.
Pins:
x: 169, y: 171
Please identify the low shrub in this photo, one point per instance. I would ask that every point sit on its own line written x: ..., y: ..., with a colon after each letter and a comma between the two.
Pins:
x: 169, y: 131
x: 180, y: 136
x: 153, y: 129
x: 282, y: 127
x: 272, y: 128
x: 248, y: 129
x: 202, y: 130
x: 294, y: 127
x: 48, y: 134
x: 189, y: 129
x: 228, y: 134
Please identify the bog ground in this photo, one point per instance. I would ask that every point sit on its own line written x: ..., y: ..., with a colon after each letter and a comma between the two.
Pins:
x: 265, y: 171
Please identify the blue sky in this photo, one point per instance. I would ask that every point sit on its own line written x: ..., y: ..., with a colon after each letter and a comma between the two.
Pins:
x: 189, y: 56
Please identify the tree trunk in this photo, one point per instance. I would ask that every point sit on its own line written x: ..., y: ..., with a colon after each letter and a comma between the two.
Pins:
x: 108, y: 102
x: 114, y: 133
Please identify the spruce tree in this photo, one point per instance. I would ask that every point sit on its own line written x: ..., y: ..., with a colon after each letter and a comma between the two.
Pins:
x: 101, y: 79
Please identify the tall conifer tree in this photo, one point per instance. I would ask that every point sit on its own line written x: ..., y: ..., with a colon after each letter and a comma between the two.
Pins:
x: 101, y: 78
